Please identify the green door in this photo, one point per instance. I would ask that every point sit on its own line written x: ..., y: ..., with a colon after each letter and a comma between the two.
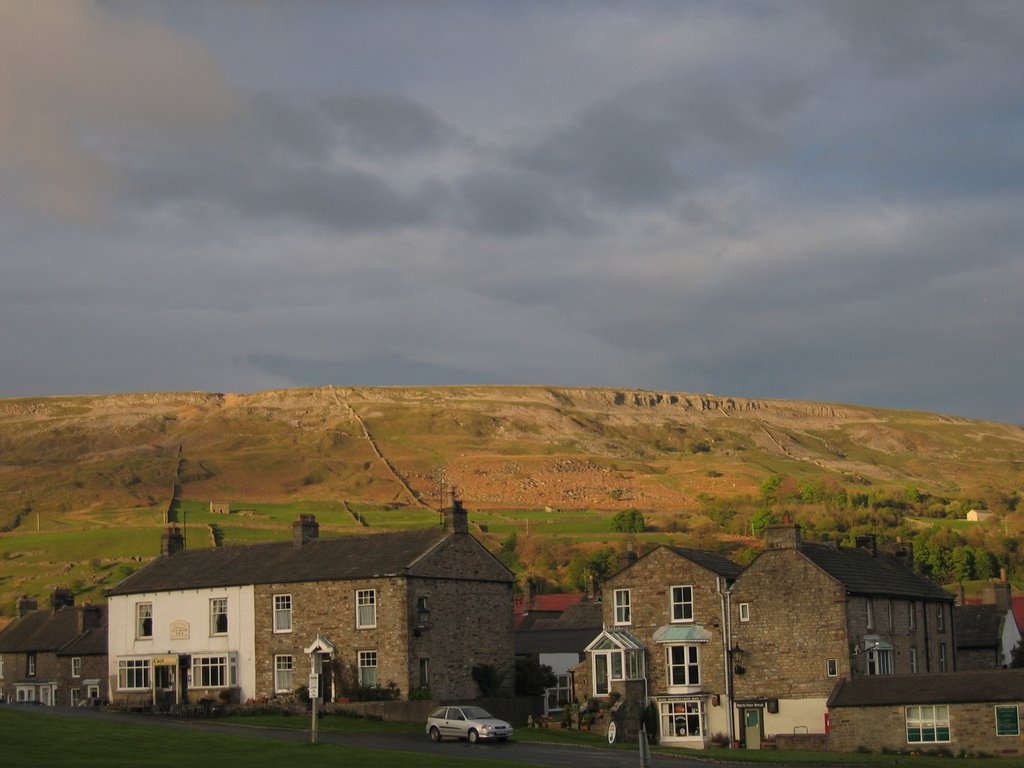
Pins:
x: 752, y: 728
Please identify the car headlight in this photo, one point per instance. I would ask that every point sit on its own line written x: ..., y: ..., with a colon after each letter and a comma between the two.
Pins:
x: 484, y: 728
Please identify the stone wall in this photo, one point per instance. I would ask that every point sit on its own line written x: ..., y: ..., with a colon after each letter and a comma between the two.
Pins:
x: 972, y: 730
x: 466, y: 592
x: 797, y: 621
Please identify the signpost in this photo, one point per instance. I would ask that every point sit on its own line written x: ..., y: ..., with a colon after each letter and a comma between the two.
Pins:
x: 320, y: 648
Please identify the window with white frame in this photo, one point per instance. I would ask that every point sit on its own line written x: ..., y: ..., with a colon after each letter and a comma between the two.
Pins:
x: 880, y: 661
x: 1, y: 666
x: 282, y: 613
x: 284, y: 667
x: 942, y: 657
x: 30, y: 665
x: 941, y: 617
x: 913, y: 660
x: 143, y: 621
x: 831, y: 668
x: 368, y: 669
x: 133, y: 674
x: 869, y: 613
x: 681, y: 719
x: 911, y: 614
x: 366, y: 608
x: 928, y: 724
x: 622, y: 607
x: 682, y: 603
x: 76, y: 666
x: 744, y: 611
x: 683, y: 665
x: 76, y: 697
x: 213, y: 671
x: 616, y: 664
x: 218, y: 616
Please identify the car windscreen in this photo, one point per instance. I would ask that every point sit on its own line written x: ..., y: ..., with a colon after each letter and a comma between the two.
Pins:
x: 476, y: 713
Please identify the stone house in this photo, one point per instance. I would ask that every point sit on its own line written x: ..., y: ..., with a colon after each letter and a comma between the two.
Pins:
x: 986, y: 632
x: 804, y: 616
x: 410, y: 610
x: 664, y: 641
x: 960, y: 712
x: 56, y: 656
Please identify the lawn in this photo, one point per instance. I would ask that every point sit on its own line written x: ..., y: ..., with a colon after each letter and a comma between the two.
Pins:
x: 33, y: 739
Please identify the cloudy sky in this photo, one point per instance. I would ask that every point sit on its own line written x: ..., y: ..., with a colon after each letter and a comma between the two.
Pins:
x: 808, y: 200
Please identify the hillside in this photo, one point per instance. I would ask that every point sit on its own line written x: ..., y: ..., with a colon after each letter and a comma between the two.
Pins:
x: 86, y: 482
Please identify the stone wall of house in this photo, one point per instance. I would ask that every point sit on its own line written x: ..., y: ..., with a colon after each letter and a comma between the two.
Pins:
x: 972, y: 730
x: 797, y: 621
x: 650, y: 580
x: 922, y: 634
x: 467, y: 621
x: 328, y: 608
x: 978, y: 658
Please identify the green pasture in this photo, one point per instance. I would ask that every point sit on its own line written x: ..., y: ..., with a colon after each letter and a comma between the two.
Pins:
x: 33, y: 739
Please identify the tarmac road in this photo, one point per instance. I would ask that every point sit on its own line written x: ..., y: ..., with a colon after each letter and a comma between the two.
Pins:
x: 557, y: 756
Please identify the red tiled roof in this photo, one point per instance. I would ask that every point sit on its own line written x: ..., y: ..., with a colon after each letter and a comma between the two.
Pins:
x: 1018, y: 612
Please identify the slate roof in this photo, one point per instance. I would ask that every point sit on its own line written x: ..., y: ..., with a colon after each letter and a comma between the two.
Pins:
x: 283, y: 562
x: 978, y: 626
x: 713, y: 561
x: 863, y: 572
x: 991, y: 685
x: 49, y: 631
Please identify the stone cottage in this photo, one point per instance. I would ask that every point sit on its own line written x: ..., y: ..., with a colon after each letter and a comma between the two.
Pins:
x: 959, y: 712
x: 806, y: 615
x: 411, y: 610
x: 57, y: 655
x: 664, y: 640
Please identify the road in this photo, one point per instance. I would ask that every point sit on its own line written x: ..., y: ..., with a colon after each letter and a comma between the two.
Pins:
x: 555, y: 755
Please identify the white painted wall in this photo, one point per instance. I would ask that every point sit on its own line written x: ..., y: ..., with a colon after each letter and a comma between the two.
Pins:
x: 193, y: 608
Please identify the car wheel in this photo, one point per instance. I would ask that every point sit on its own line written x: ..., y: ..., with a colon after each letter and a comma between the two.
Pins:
x: 473, y: 736
x: 435, y: 735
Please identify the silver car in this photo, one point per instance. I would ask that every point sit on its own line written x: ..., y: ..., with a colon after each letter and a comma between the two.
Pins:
x: 463, y: 722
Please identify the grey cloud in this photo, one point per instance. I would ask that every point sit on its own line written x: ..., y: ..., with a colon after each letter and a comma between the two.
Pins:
x: 511, y: 204
x: 387, y: 125
x: 649, y: 144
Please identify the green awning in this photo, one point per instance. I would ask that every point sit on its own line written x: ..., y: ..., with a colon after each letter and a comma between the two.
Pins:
x: 682, y: 633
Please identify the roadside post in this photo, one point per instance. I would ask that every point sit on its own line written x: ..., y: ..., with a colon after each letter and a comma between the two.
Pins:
x: 320, y: 649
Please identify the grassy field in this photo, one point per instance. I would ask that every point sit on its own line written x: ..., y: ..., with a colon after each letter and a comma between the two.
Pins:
x: 30, y: 738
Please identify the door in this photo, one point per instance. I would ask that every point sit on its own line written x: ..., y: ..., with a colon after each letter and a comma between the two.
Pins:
x: 165, y: 679
x: 44, y: 694
x: 752, y: 728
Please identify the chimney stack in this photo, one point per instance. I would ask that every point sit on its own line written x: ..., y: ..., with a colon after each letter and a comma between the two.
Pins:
x: 869, y: 542
x: 782, y: 536
x: 172, y: 541
x: 628, y: 556
x: 89, y: 618
x: 456, y: 519
x: 305, y: 529
x: 26, y: 605
x: 62, y: 597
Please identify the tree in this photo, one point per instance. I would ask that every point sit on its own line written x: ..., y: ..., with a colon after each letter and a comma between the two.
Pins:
x: 629, y: 521
x: 532, y: 677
